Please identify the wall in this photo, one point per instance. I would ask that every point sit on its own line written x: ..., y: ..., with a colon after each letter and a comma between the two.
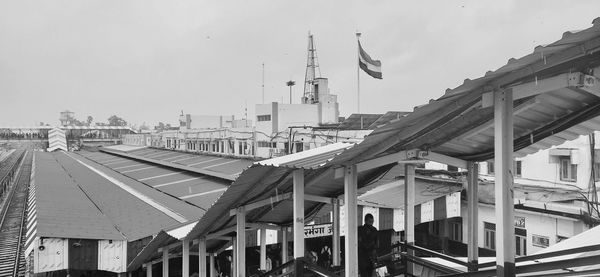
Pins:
x: 535, y: 224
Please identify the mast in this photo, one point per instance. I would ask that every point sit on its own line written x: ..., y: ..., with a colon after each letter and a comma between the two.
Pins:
x: 312, y: 71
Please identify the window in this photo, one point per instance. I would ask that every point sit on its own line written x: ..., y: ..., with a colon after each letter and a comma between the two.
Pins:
x: 490, y: 166
x: 267, y: 144
x: 437, y: 227
x: 540, y: 241
x: 489, y: 235
x: 452, y: 168
x: 456, y: 231
x: 520, y: 242
x: 265, y: 117
x: 568, y: 171
x: 518, y: 169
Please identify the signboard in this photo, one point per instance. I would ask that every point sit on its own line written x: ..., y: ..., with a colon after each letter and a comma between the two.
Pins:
x: 519, y: 222
x: 320, y: 230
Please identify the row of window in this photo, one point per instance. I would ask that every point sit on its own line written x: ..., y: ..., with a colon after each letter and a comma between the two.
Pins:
x: 265, y: 117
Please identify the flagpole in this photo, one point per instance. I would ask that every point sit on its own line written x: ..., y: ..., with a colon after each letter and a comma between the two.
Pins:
x: 357, y: 72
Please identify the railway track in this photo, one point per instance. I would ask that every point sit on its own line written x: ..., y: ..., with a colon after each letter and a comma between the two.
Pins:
x: 12, y: 221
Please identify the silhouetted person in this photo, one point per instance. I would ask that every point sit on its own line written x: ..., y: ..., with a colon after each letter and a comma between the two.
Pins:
x: 367, y: 247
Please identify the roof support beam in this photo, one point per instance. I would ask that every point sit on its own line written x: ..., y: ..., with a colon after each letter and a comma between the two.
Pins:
x: 264, y: 202
x: 444, y: 159
x: 538, y: 87
x: 241, y: 242
x: 405, y: 157
x: 298, y: 234
x: 321, y: 199
x: 351, y: 240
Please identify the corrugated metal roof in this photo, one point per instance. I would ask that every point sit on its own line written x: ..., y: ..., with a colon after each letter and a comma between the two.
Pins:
x: 309, y: 159
x: 75, y: 202
x: 386, y: 118
x: 227, y: 168
x: 359, y: 121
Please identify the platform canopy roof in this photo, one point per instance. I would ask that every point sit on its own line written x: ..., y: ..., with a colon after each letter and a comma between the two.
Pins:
x: 556, y: 98
x: 556, y: 93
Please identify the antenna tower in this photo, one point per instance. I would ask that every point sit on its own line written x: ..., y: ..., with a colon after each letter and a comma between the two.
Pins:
x: 312, y: 71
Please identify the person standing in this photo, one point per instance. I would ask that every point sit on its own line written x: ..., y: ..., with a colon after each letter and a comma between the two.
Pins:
x: 367, y: 247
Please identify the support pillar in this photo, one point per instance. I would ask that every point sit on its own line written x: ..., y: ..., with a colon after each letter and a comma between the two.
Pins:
x: 472, y: 216
x: 165, y: 262
x: 298, y: 197
x: 202, y: 257
x: 234, y: 251
x: 351, y: 240
x: 335, y: 244
x: 149, y: 269
x: 409, y: 211
x: 213, y: 270
x: 185, y: 259
x: 263, y: 249
x: 503, y: 162
x: 241, y: 242
x: 284, y: 245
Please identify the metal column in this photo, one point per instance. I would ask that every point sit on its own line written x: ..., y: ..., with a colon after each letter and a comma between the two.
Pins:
x: 202, y: 257
x: 185, y: 259
x: 149, y: 269
x: 335, y: 244
x: 241, y: 242
x: 284, y: 245
x: 165, y: 262
x: 409, y: 210
x: 298, y: 197
x: 503, y: 162
x: 351, y: 240
x: 263, y: 249
x: 472, y: 215
x: 213, y: 270
x: 234, y: 251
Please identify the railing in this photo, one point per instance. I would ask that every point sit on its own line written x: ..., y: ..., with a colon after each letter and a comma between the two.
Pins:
x: 537, y: 266
x: 298, y: 267
x: 423, y: 262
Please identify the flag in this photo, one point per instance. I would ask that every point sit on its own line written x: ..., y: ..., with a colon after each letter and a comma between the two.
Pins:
x: 370, y: 66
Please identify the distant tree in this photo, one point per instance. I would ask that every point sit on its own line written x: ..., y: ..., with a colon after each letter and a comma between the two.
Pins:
x: 89, y: 120
x: 144, y: 127
x: 116, y: 121
x: 159, y: 127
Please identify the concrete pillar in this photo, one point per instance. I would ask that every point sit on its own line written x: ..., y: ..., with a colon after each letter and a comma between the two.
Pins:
x: 503, y: 162
x: 185, y: 259
x: 472, y: 216
x: 149, y: 269
x: 213, y: 270
x: 351, y: 240
x: 335, y: 244
x: 202, y: 257
x: 165, y: 262
x: 409, y: 210
x: 298, y: 197
x: 241, y: 242
x: 263, y: 248
x: 284, y: 245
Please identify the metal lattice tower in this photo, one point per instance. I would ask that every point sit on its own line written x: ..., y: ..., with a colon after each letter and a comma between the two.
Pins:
x: 312, y: 71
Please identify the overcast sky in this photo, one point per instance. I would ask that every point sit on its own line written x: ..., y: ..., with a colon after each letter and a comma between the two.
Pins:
x: 148, y: 60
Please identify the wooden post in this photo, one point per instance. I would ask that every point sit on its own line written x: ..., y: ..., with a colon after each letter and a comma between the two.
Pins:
x: 263, y: 249
x: 202, y: 257
x: 409, y: 211
x: 185, y: 257
x: 335, y: 244
x: 351, y: 240
x: 165, y: 262
x: 503, y: 162
x: 241, y: 242
x: 298, y: 197
x: 473, y: 216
